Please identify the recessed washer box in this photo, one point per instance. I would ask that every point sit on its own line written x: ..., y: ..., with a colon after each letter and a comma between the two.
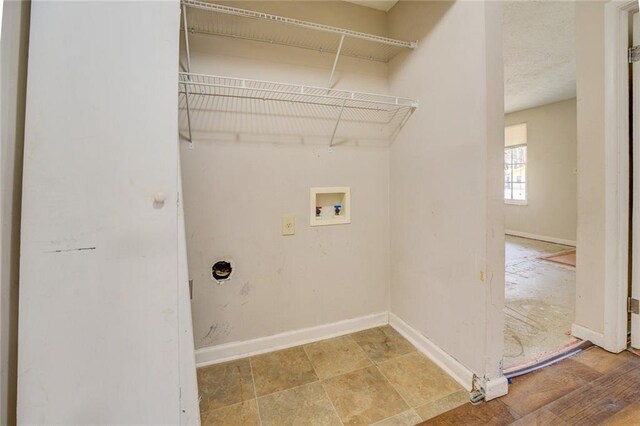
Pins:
x: 330, y: 206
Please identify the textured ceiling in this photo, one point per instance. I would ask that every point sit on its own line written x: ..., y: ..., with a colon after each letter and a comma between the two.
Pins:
x: 383, y: 5
x: 539, y: 53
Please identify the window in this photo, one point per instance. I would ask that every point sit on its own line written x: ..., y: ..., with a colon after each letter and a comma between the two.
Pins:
x: 515, y: 164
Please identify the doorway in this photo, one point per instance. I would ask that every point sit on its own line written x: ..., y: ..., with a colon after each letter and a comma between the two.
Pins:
x: 539, y: 300
x: 540, y: 182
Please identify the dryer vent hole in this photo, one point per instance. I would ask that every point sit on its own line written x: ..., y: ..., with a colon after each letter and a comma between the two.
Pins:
x: 221, y: 270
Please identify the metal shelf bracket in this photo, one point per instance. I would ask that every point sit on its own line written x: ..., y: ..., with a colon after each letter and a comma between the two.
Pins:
x: 186, y: 91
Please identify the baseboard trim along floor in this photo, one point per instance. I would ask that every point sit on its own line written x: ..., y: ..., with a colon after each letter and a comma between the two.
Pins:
x: 236, y: 350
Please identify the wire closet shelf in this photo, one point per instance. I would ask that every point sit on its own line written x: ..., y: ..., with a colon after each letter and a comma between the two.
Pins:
x: 233, y: 22
x: 237, y: 106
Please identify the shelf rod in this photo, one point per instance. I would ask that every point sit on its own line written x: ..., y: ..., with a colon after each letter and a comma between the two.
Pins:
x: 335, y: 128
x: 186, y: 91
x: 335, y: 62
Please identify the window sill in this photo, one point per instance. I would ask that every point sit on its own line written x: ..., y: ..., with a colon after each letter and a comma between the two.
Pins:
x: 515, y: 202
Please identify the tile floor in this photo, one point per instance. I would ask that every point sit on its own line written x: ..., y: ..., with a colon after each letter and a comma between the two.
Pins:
x: 539, y: 300
x: 374, y: 376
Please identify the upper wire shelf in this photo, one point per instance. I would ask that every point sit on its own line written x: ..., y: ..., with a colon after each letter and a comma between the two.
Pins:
x: 235, y: 108
x: 251, y: 25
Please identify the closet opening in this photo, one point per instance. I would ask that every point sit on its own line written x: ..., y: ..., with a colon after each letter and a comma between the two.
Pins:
x: 314, y: 137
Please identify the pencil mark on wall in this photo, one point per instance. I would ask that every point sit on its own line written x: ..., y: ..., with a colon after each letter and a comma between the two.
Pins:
x: 71, y: 249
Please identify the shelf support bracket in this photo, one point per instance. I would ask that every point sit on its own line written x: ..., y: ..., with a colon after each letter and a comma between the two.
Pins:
x: 186, y: 99
x: 186, y: 86
x: 335, y: 62
x: 335, y: 128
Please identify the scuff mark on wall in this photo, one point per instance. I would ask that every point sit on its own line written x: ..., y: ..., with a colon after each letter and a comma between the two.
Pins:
x: 245, y: 290
x: 71, y: 249
x: 216, y: 332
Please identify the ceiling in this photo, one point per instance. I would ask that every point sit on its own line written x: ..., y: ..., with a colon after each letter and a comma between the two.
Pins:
x: 383, y: 5
x: 539, y: 53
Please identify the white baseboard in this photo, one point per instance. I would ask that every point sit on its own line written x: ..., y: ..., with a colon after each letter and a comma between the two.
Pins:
x: 235, y: 350
x: 585, y: 333
x: 541, y: 238
x: 495, y: 388
x: 455, y: 369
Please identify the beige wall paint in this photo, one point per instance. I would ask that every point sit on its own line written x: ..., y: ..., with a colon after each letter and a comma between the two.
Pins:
x: 15, y: 44
x: 447, y: 268
x: 237, y: 192
x: 551, y: 209
x: 446, y: 205
x: 590, y: 270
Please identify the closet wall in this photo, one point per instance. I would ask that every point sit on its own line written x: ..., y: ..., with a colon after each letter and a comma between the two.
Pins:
x: 427, y: 228
x: 447, y: 246
x: 237, y: 192
x: 592, y: 156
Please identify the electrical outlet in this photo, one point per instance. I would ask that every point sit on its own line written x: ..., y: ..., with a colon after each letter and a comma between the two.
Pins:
x: 288, y: 224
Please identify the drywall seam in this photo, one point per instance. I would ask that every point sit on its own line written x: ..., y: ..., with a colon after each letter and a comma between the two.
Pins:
x: 235, y: 350
x: 449, y: 364
x: 585, y: 333
x: 541, y: 238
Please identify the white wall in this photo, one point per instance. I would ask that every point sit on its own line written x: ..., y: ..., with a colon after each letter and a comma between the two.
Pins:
x: 236, y: 193
x: 446, y: 206
x: 551, y: 209
x: 15, y: 39
x: 591, y: 232
x: 190, y: 400
x: 98, y: 332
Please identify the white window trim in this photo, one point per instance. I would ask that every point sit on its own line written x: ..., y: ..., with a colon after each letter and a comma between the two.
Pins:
x: 524, y: 202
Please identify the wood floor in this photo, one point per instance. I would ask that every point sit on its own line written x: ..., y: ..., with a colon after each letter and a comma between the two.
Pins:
x: 593, y: 387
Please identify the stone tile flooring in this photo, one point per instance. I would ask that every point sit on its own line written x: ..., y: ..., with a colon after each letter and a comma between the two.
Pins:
x: 539, y: 300
x: 374, y: 376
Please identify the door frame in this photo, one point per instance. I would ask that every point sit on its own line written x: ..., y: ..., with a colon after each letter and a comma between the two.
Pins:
x: 616, y: 147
